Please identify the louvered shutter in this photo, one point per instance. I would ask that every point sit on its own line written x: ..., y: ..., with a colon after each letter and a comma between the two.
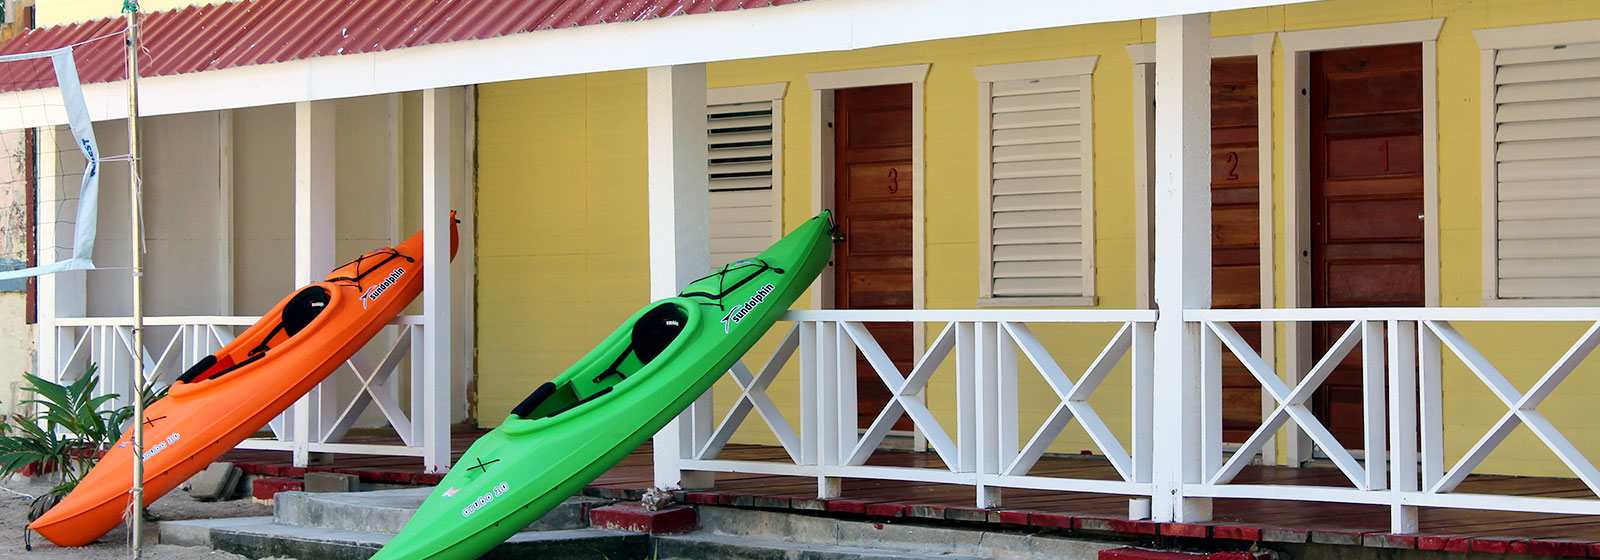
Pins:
x: 1037, y: 191
x: 1547, y: 167
x: 741, y: 164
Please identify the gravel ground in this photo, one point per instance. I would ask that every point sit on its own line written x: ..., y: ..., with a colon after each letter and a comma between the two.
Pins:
x: 174, y: 506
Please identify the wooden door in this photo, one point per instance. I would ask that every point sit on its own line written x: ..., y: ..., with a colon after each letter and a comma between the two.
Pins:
x: 1366, y: 202
x: 872, y: 203
x: 1235, y: 229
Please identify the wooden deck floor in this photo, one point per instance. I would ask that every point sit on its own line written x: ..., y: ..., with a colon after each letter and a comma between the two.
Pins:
x: 1235, y: 519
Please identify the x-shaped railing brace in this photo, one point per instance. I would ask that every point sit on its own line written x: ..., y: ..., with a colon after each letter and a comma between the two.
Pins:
x: 753, y: 395
x: 1291, y: 404
x: 1074, y: 400
x: 903, y: 391
x: 1522, y: 407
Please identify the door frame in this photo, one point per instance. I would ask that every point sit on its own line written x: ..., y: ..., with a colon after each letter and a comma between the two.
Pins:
x: 1297, y: 49
x: 822, y: 86
x: 1143, y: 55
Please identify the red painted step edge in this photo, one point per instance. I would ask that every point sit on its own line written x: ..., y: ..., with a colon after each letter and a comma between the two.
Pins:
x: 266, y: 488
x: 633, y: 517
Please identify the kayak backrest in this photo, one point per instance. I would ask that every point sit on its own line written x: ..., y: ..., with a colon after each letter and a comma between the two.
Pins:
x: 650, y: 335
x: 303, y: 308
x: 656, y: 330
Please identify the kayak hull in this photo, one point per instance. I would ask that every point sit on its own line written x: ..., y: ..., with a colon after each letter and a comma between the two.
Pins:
x: 232, y: 394
x: 549, y: 449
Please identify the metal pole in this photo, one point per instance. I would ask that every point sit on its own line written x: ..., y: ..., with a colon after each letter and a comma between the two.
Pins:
x: 136, y: 517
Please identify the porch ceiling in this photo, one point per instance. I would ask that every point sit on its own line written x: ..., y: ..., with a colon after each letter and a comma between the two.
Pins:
x: 261, y: 52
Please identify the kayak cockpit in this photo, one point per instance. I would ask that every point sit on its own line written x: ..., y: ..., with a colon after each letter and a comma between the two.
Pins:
x: 297, y: 314
x: 655, y: 330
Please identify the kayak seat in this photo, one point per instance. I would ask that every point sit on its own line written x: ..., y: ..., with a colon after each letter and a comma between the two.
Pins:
x: 534, y: 399
x: 652, y: 334
x: 301, y: 310
x: 549, y: 400
x: 198, y: 368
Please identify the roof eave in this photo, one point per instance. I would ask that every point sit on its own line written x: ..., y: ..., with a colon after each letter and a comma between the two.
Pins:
x: 806, y: 27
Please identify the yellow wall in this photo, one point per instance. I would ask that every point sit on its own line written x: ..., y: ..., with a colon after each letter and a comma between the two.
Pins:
x: 57, y: 12
x: 562, y: 244
x: 561, y: 215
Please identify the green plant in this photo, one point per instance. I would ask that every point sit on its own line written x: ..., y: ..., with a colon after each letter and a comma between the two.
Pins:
x: 68, y: 430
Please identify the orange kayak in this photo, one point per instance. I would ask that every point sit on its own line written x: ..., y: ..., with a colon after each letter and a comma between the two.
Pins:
x: 228, y: 396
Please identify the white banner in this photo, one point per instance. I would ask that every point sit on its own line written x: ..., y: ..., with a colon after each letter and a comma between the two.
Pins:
x: 89, y: 191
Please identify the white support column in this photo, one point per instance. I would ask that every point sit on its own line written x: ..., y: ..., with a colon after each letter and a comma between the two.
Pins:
x: 225, y: 210
x: 314, y: 232
x: 438, y: 110
x: 1183, y: 258
x: 63, y: 294
x: 680, y: 231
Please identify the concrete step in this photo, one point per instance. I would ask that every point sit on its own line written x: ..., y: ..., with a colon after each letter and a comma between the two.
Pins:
x: 259, y: 537
x: 355, y: 525
x: 827, y: 535
x: 728, y: 547
x: 387, y: 511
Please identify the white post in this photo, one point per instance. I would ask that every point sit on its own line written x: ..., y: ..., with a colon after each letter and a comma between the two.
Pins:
x: 62, y: 294
x: 1402, y: 423
x: 438, y: 108
x: 829, y: 441
x: 1143, y: 435
x: 313, y: 230
x: 1183, y: 259
x: 986, y: 401
x: 680, y: 231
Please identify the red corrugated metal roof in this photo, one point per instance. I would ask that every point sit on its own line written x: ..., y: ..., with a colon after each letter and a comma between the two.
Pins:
x: 248, y: 32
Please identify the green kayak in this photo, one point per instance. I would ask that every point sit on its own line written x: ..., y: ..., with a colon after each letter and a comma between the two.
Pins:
x: 574, y: 428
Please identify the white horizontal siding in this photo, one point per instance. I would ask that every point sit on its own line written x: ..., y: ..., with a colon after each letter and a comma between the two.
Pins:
x: 741, y: 149
x: 1547, y: 248
x: 1036, y: 189
x: 1038, y: 134
x: 1519, y: 288
x: 1547, y: 166
x: 1036, y: 287
x: 1545, y: 129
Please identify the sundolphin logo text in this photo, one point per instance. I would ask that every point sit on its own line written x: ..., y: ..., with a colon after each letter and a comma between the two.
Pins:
x: 376, y: 291
x: 738, y: 312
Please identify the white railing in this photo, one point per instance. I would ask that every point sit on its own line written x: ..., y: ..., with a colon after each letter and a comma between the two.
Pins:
x: 986, y: 449
x: 1406, y: 356
x: 1403, y: 357
x: 175, y: 343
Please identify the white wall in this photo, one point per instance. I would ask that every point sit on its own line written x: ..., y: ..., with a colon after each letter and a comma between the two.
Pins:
x: 188, y: 268
x: 263, y: 207
x: 16, y: 353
